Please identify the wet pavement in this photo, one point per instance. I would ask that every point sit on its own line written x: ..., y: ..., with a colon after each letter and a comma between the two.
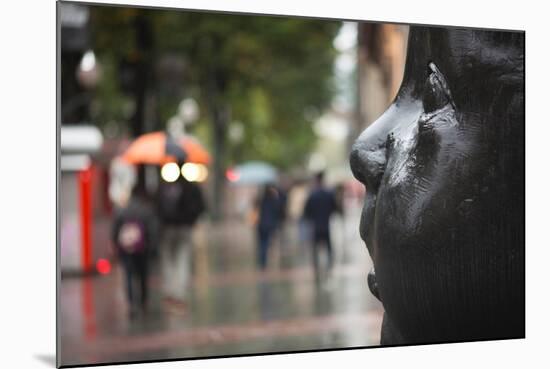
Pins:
x: 233, y: 308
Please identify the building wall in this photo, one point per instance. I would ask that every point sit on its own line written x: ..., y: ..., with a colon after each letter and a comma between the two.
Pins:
x: 381, y: 53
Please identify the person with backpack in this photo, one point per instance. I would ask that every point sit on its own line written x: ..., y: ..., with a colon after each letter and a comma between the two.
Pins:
x: 134, y: 234
x: 180, y: 203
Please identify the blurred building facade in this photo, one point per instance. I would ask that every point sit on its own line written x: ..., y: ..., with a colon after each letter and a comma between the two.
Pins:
x: 377, y: 57
x: 381, y: 53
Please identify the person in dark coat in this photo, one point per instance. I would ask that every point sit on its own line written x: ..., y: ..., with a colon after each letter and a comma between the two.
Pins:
x: 320, y: 205
x: 269, y: 216
x: 134, y: 234
x: 180, y: 204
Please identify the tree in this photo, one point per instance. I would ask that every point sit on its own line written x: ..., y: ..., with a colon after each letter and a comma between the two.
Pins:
x: 271, y: 74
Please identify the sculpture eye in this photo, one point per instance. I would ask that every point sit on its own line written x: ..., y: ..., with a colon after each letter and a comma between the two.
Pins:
x: 436, y: 91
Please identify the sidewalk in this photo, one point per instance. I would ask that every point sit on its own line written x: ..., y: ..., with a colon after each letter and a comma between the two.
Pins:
x: 234, y: 309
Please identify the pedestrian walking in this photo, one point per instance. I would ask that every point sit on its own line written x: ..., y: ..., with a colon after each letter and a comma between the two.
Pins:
x: 180, y: 204
x: 269, y: 215
x: 282, y: 232
x: 134, y: 234
x: 320, y: 205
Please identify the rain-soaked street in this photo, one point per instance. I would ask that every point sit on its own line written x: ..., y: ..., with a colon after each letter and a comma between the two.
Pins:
x: 233, y: 308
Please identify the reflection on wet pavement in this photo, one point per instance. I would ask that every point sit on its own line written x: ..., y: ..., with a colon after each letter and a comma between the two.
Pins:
x: 234, y: 308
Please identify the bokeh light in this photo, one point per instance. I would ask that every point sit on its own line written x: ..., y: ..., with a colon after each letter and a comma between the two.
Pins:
x: 170, y: 172
x: 194, y: 172
x: 232, y: 175
x: 103, y: 266
x: 203, y: 173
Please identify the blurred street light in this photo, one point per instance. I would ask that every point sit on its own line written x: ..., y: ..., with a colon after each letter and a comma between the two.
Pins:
x: 194, y: 172
x: 170, y: 172
x: 103, y: 266
x: 203, y: 173
x: 232, y: 175
x: 88, y: 72
x: 88, y: 61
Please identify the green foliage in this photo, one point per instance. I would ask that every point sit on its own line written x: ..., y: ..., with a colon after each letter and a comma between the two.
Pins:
x: 111, y: 106
x: 268, y: 70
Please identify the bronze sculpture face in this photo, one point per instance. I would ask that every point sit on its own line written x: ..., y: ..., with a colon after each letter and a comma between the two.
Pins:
x: 443, y: 168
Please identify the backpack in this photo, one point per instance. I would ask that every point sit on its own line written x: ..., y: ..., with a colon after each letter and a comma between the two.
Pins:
x: 194, y: 204
x: 181, y: 203
x: 169, y: 201
x: 131, y: 237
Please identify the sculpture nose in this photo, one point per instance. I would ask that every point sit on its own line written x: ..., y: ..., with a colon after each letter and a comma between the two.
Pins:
x: 369, y: 153
x: 368, y: 161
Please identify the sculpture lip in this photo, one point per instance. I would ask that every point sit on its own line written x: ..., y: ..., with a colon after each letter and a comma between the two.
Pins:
x: 373, y: 284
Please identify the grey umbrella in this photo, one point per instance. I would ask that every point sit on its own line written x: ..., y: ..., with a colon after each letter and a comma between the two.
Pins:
x: 253, y: 173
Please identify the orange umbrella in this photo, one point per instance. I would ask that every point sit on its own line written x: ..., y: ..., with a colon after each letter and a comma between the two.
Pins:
x: 150, y: 148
